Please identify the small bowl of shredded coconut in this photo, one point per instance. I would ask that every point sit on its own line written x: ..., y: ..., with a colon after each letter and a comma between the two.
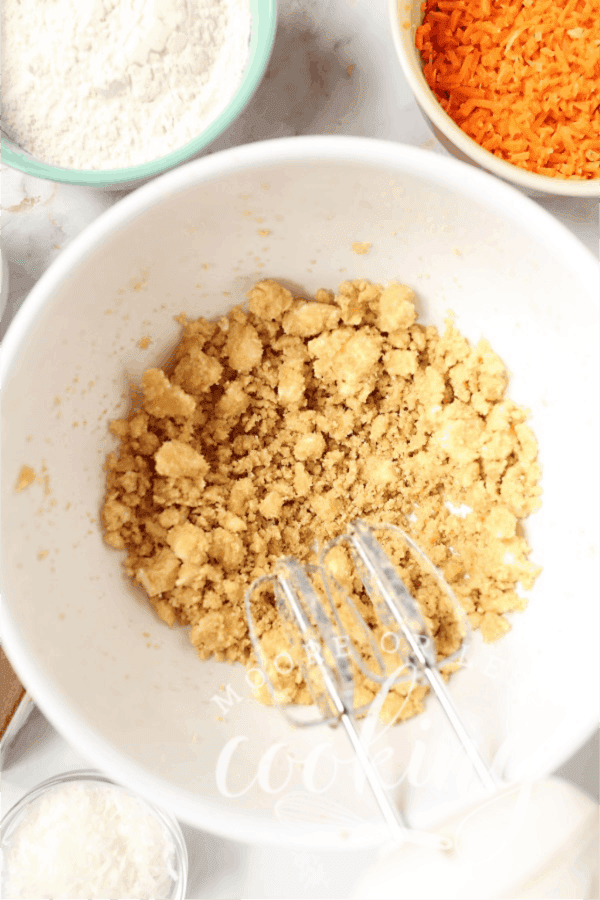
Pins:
x: 110, y: 93
x: 81, y: 835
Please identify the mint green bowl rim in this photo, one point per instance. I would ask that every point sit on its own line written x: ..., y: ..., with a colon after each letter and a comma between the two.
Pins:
x: 262, y: 36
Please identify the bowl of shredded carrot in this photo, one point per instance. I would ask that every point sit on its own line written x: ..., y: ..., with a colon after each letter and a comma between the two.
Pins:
x: 510, y: 86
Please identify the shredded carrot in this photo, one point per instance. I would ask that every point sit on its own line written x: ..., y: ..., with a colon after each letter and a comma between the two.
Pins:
x: 521, y: 77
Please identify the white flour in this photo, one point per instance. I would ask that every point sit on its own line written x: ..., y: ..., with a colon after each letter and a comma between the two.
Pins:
x: 102, y: 84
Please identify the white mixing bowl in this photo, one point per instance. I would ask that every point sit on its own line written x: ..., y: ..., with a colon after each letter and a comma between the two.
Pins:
x: 131, y: 694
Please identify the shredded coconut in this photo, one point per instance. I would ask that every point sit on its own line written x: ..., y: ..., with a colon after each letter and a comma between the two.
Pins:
x: 88, y: 840
x: 114, y: 83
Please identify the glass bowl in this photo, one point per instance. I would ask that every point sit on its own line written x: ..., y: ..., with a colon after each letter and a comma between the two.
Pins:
x: 16, y: 815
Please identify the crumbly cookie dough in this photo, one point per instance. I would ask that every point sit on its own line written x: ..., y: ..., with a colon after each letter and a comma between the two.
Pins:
x: 276, y: 426
x: 25, y: 478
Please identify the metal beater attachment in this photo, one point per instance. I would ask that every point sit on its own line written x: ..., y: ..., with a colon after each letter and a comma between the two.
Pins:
x: 317, y: 614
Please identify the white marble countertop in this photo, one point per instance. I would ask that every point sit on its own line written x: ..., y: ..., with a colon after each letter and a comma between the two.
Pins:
x: 333, y: 71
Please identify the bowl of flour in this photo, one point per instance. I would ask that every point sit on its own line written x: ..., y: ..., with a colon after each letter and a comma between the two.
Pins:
x: 112, y: 92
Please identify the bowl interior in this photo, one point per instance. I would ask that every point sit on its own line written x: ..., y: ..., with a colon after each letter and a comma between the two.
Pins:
x: 262, y: 34
x: 404, y: 20
x: 129, y: 692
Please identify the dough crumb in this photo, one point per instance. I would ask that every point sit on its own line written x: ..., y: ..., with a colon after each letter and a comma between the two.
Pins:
x: 277, y: 425
x: 361, y: 248
x: 25, y: 478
